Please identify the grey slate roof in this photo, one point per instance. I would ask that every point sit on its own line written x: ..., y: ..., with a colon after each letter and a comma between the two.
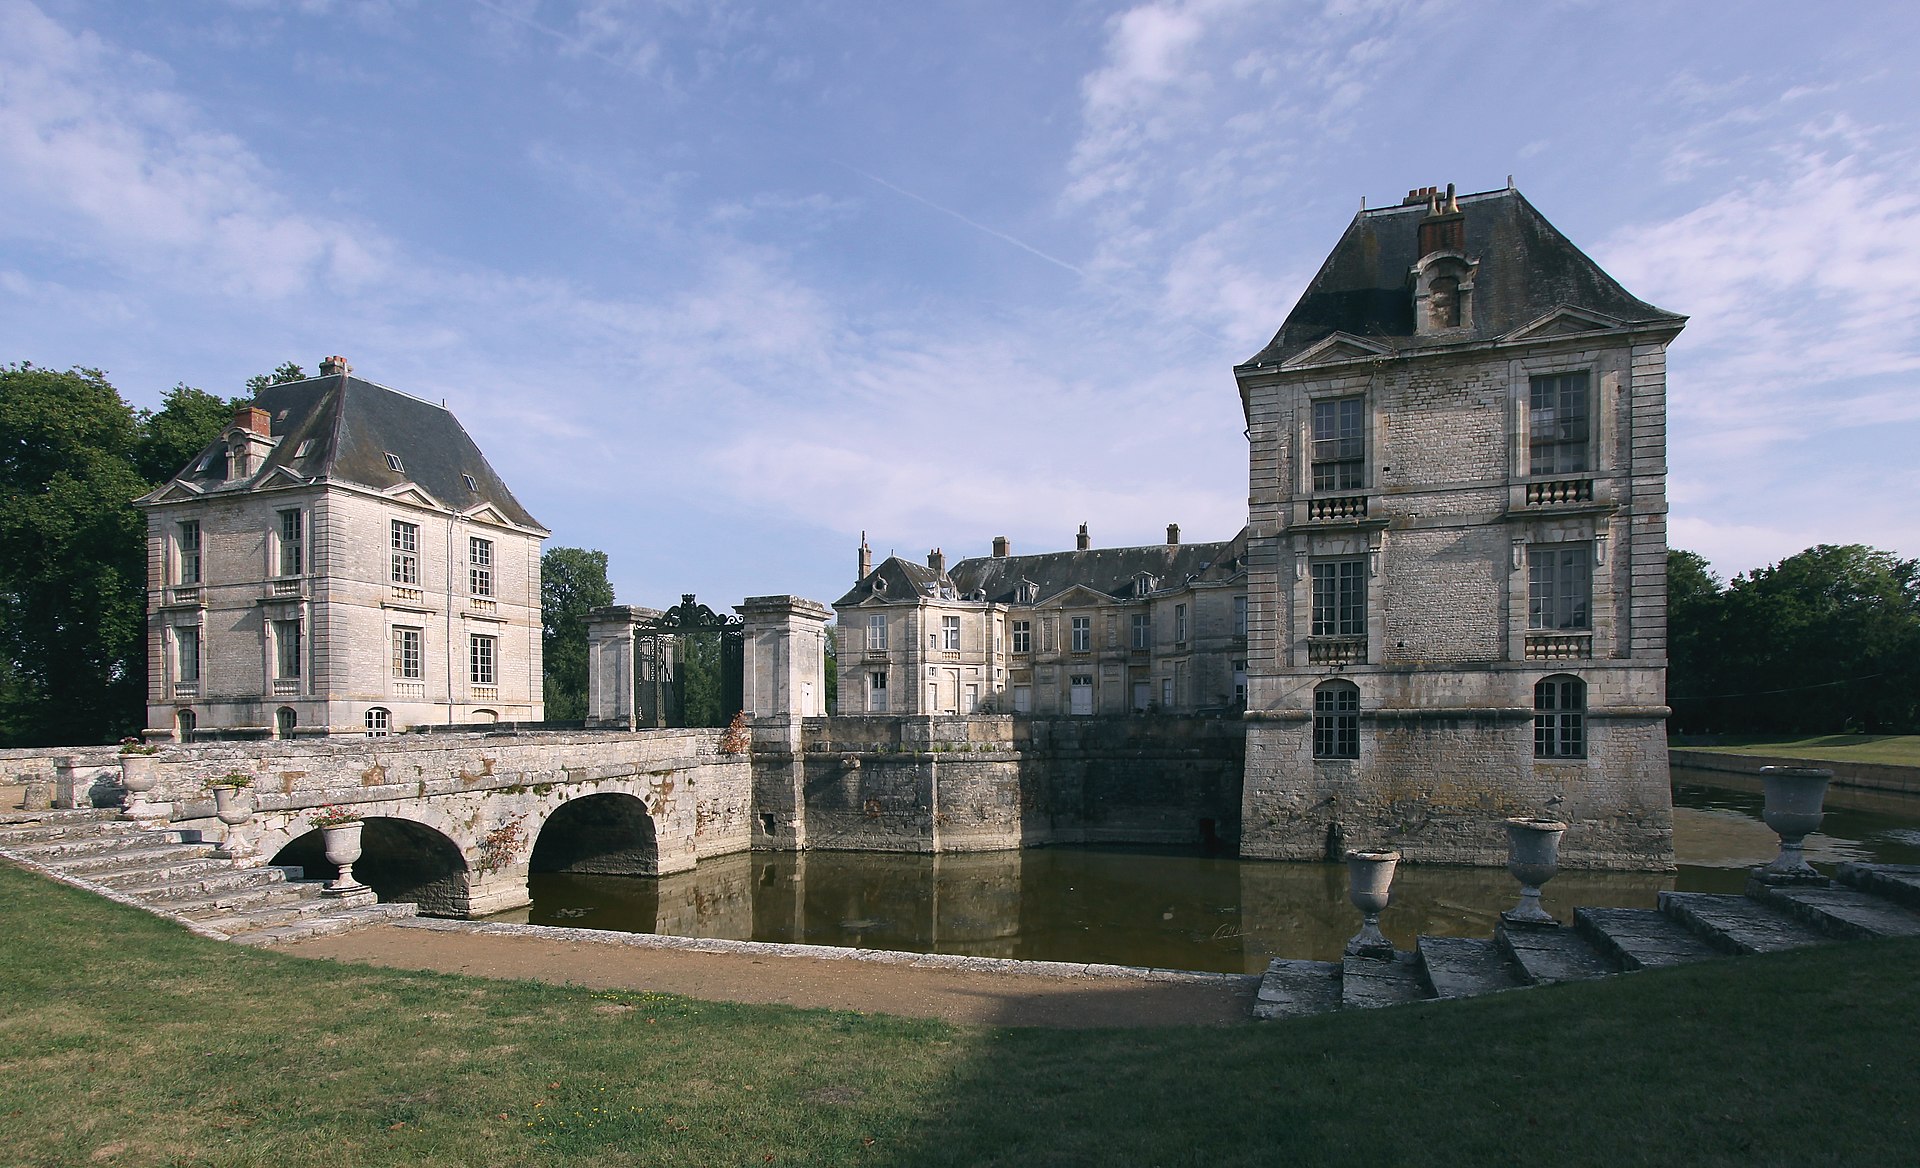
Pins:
x: 354, y: 424
x: 1106, y: 570
x: 1527, y: 268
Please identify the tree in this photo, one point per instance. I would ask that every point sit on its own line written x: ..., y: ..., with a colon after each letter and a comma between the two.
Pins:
x: 1693, y: 633
x: 72, y: 559
x: 573, y: 582
x: 286, y: 372
x: 186, y: 422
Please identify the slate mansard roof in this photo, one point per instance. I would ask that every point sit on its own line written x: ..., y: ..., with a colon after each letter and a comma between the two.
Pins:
x: 997, y: 579
x: 352, y: 426
x: 1526, y: 270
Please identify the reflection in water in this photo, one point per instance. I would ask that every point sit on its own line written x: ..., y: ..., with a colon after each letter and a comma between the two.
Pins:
x: 1175, y: 909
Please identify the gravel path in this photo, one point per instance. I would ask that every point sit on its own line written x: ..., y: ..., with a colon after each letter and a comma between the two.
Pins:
x: 991, y: 998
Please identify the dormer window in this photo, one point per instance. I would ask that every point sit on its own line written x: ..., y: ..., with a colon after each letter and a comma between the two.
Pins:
x: 1443, y: 292
x: 393, y: 463
x: 471, y: 485
x: 238, y: 464
x: 1027, y: 592
x: 305, y: 448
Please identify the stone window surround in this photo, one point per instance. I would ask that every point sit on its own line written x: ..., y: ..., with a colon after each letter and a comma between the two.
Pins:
x: 1609, y: 376
x: 483, y: 659
x: 287, y: 550
x: 480, y: 566
x: 188, y: 545
x: 1560, y: 725
x: 1022, y: 637
x: 1591, y: 530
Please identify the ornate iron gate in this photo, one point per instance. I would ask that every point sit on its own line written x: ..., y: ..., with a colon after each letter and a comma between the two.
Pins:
x: 687, y: 667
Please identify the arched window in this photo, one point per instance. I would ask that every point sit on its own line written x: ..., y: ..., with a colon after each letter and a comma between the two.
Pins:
x: 379, y: 722
x: 284, y: 720
x: 184, y: 723
x: 1336, y: 720
x: 1560, y: 718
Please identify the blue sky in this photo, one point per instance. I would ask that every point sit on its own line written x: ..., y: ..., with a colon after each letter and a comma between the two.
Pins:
x: 717, y: 286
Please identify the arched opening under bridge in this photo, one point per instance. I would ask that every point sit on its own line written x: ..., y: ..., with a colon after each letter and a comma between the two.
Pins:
x: 399, y: 859
x: 607, y: 834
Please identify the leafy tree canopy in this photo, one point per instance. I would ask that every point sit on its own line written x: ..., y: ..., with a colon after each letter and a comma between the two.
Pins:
x: 186, y: 422
x: 287, y: 371
x: 573, y: 582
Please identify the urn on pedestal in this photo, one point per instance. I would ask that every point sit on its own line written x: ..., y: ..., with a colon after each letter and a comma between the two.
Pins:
x: 1370, y: 889
x: 1533, y: 858
x: 138, y: 775
x: 340, y: 831
x: 1796, y: 798
x: 233, y: 808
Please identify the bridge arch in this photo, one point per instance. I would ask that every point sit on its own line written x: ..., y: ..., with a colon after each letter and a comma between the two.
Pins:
x: 400, y: 859
x: 609, y: 833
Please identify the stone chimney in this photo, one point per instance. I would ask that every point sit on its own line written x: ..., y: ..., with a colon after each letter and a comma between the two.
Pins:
x: 1444, y: 228
x: 866, y: 559
x: 1173, y: 535
x: 937, y: 560
x: 334, y: 367
x: 1002, y: 547
x: 254, y: 420
x: 1082, y: 542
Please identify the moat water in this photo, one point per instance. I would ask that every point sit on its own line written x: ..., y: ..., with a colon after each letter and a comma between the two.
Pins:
x: 1172, y: 908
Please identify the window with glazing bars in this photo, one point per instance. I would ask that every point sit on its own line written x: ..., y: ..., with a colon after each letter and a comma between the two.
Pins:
x: 1339, y: 598
x: 1023, y: 636
x: 1339, y: 444
x: 1082, y: 634
x: 1559, y: 417
x: 480, y: 566
x: 1142, y: 630
x: 406, y: 654
x: 293, y: 530
x: 286, y: 642
x: 1336, y: 720
x: 876, y: 633
x: 1560, y: 718
x: 480, y: 661
x: 186, y: 649
x: 1559, y: 586
x: 406, y: 553
x: 949, y: 632
x: 187, y: 540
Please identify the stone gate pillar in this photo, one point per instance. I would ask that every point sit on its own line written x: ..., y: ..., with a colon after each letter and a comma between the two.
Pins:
x: 784, y: 673
x: 611, y: 703
x: 783, y: 680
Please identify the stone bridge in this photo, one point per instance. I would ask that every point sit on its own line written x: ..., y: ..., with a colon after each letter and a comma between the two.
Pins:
x: 455, y: 822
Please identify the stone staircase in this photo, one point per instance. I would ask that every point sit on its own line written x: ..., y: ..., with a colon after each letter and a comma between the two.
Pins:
x: 176, y: 875
x: 1865, y: 901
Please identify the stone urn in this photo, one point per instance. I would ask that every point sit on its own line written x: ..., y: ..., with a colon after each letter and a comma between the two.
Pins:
x: 1533, y: 858
x: 232, y: 807
x: 139, y: 773
x: 1370, y: 888
x: 343, y: 848
x: 1795, y: 797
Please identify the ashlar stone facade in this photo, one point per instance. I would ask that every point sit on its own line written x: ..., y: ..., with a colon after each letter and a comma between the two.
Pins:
x: 1457, y: 546
x: 343, y: 560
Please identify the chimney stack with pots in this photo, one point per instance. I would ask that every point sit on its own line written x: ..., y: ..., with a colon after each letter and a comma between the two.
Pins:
x: 1444, y: 228
x: 334, y: 367
x: 937, y: 560
x: 1173, y: 535
x: 254, y: 420
x: 1082, y: 541
x: 866, y: 558
x: 1002, y: 547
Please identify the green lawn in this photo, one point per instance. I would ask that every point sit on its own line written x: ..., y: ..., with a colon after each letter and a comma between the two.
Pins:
x: 1898, y: 749
x: 124, y: 1040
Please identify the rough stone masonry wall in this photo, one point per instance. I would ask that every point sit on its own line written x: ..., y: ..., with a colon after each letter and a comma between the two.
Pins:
x: 983, y: 783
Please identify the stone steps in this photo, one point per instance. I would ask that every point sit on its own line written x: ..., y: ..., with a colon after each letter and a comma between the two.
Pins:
x: 1736, y: 924
x: 179, y: 877
x: 1872, y: 900
x: 1465, y: 967
x: 1640, y: 938
x: 1899, y: 883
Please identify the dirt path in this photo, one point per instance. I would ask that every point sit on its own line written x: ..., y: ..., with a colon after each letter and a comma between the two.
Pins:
x: 964, y: 996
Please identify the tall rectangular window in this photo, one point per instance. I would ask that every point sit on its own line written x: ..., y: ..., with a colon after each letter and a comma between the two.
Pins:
x: 480, y: 660
x: 877, y: 692
x: 1179, y: 624
x: 187, y: 546
x: 1559, y: 718
x: 1339, y: 598
x: 1240, y: 683
x: 876, y: 633
x: 1022, y: 636
x: 406, y: 654
x: 1336, y: 721
x: 1559, y: 414
x: 1339, y: 444
x: 1559, y: 586
x: 406, y: 553
x: 1239, y: 616
x: 480, y: 566
x: 950, y: 632
x: 1142, y: 630
x: 293, y: 531
x: 1082, y: 634
x: 186, y: 654
x: 286, y: 649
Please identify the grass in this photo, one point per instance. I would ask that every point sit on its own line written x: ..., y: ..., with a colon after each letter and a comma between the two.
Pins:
x: 125, y: 1040
x: 1897, y: 749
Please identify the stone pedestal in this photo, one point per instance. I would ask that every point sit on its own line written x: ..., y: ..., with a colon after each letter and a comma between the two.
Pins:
x: 784, y: 672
